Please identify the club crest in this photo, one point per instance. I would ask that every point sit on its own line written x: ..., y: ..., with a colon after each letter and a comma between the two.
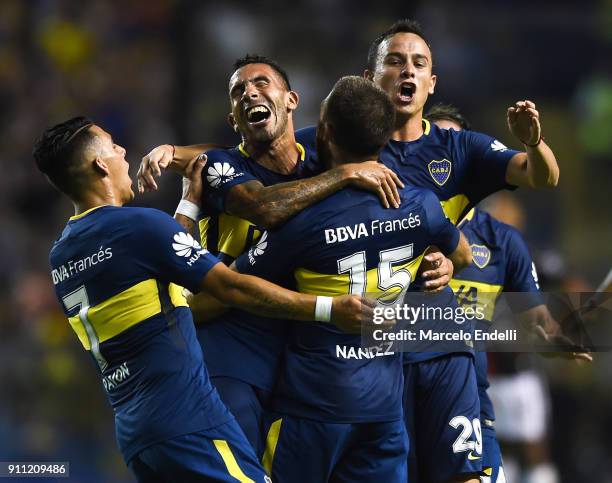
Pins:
x: 440, y: 170
x: 481, y: 255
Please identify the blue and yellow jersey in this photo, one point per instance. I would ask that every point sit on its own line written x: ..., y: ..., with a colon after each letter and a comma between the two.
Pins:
x: 460, y: 167
x: 118, y: 274
x: 238, y: 344
x: 348, y: 243
x: 501, y: 263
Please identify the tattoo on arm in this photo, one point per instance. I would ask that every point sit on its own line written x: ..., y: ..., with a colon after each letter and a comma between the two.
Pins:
x: 270, y: 206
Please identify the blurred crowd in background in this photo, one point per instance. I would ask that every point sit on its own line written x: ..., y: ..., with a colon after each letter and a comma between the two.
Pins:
x: 156, y: 71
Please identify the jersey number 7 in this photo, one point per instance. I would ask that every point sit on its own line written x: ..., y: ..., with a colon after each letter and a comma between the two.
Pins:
x: 78, y: 298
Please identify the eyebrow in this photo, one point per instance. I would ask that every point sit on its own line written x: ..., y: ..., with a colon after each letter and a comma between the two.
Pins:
x: 255, y: 79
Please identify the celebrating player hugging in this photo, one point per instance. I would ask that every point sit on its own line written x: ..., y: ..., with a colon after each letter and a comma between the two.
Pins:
x: 302, y: 234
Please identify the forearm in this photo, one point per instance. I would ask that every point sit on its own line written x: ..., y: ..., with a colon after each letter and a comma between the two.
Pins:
x: 184, y: 154
x: 462, y: 256
x: 264, y: 298
x: 206, y: 307
x: 186, y: 223
x: 274, y: 205
x: 539, y: 316
x: 542, y: 166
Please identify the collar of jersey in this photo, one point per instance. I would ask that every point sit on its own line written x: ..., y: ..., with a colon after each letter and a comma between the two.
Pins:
x: 426, y: 130
x: 299, y: 146
x: 81, y: 215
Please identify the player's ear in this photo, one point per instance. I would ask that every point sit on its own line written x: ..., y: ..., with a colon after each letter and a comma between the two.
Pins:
x: 100, y: 167
x: 232, y: 122
x: 432, y: 83
x: 293, y: 99
x: 368, y: 74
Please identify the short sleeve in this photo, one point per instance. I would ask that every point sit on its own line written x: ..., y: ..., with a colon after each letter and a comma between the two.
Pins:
x: 488, y: 161
x: 521, y: 275
x: 222, y: 172
x: 442, y: 232
x: 273, y: 257
x: 169, y: 253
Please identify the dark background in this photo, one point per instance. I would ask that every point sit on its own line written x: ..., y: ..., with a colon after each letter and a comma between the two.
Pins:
x: 156, y: 71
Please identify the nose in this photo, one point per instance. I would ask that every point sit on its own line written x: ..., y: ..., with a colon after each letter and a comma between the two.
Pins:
x: 250, y: 91
x: 408, y: 71
x: 122, y: 150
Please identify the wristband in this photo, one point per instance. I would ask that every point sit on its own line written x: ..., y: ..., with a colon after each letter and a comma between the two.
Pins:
x: 188, y: 209
x: 533, y: 145
x: 173, y: 151
x: 323, y: 308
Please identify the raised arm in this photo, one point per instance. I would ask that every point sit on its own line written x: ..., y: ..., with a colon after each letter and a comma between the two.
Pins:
x: 537, y: 167
x: 188, y: 209
x: 167, y: 156
x: 271, y: 206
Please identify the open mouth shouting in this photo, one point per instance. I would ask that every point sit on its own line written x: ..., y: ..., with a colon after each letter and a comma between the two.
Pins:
x: 257, y: 115
x: 406, y: 92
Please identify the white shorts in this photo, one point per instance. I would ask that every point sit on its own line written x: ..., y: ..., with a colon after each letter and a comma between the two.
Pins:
x: 521, y: 406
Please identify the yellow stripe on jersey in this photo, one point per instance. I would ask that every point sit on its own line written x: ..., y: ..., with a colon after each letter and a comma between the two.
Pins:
x: 477, y: 294
x: 177, y: 295
x: 124, y: 310
x: 230, y: 461
x: 235, y: 235
x: 81, y: 215
x: 203, y: 225
x: 454, y: 207
x: 271, y: 443
x: 426, y: 127
x: 339, y: 284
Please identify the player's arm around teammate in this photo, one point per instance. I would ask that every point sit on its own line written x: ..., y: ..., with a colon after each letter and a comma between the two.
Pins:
x: 270, y: 206
x: 215, y: 298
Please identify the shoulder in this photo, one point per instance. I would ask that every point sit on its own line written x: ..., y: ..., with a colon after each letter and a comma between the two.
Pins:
x: 223, y: 154
x: 133, y: 213
x: 143, y: 223
x: 218, y: 157
x: 307, y: 136
x: 506, y: 235
x: 416, y: 196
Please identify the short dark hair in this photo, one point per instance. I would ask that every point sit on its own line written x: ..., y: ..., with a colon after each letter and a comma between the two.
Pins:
x: 401, y: 26
x: 360, y: 114
x: 447, y: 112
x: 58, y: 153
x: 261, y: 59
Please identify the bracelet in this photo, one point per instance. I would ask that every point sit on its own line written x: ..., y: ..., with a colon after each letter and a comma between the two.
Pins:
x: 173, y: 150
x: 533, y: 145
x: 188, y: 209
x: 323, y: 308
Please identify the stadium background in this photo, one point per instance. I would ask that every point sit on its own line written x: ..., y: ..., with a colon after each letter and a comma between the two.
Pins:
x: 156, y: 71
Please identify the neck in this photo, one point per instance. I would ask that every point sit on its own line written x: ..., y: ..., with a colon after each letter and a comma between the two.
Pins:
x: 340, y: 157
x: 408, y: 128
x: 280, y: 155
x: 101, y: 195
